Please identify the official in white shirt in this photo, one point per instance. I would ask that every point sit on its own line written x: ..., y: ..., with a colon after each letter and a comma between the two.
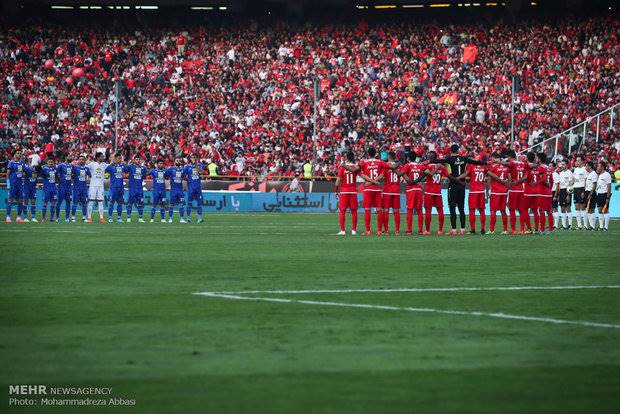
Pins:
x: 603, y: 194
x: 564, y: 194
x: 579, y: 175
x: 590, y: 195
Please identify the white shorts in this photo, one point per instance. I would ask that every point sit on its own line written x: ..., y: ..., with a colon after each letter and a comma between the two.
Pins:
x: 95, y: 192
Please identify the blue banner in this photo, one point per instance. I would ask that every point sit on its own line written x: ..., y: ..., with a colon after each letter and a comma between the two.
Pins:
x: 240, y: 201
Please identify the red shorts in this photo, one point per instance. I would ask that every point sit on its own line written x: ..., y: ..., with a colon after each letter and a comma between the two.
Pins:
x: 498, y: 202
x: 348, y: 201
x: 391, y: 201
x: 414, y: 199
x: 545, y: 202
x: 529, y: 202
x: 476, y: 200
x: 432, y: 200
x: 514, y: 200
x: 372, y: 199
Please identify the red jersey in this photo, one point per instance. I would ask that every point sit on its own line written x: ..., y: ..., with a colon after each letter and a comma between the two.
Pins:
x: 477, y: 177
x: 502, y: 172
x: 348, y: 180
x: 545, y: 179
x: 433, y: 182
x: 518, y: 170
x: 531, y: 183
x: 413, y: 170
x: 372, y: 168
x: 391, y: 183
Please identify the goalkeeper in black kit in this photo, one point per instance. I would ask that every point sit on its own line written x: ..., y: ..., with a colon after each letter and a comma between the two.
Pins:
x: 456, y: 190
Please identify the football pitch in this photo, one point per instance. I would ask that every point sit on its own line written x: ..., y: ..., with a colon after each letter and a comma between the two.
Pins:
x: 275, y: 313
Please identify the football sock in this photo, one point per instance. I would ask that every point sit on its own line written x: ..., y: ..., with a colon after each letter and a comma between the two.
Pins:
x: 504, y: 220
x: 367, y: 219
x: 606, y: 217
x: 89, y: 209
x: 578, y: 218
x: 100, y: 208
x: 441, y: 218
x: 385, y: 217
x: 550, y: 219
x: 542, y: 220
x: 427, y: 220
x: 188, y: 210
x: 19, y: 209
x: 67, y: 210
x: 600, y: 220
x: 397, y: 220
x: 182, y: 212
x: 483, y: 219
x: 153, y: 213
x: 129, y: 208
x: 33, y: 210
x: 472, y: 219
x: 83, y: 210
x: 170, y: 211
x: 564, y: 218
x: 353, y: 219
x: 199, y: 211
x: 52, y: 212
x: 341, y: 219
x: 420, y: 221
x: 110, y: 209
x: 592, y: 219
x: 140, y: 211
x: 584, y: 219
x: 379, y: 220
x: 409, y: 219
x: 555, y: 219
x: 9, y: 207
x: 43, y: 211
x: 493, y: 220
x: 536, y: 219
x: 570, y: 218
x: 162, y: 213
x: 119, y: 211
x: 513, y: 219
x: 73, y: 209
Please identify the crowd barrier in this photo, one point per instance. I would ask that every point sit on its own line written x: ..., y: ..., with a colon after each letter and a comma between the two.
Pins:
x: 274, y: 202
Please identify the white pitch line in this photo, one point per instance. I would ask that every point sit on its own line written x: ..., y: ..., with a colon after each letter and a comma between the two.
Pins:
x: 447, y: 289
x: 409, y: 309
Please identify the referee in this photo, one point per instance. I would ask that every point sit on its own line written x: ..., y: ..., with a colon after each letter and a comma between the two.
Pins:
x: 456, y: 190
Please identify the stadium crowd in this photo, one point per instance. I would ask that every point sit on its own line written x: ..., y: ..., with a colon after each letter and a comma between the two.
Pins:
x: 243, y: 96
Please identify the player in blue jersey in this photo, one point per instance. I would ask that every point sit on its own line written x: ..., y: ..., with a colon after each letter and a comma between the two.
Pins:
x: 15, y: 171
x: 30, y: 192
x: 117, y: 187
x: 193, y: 174
x: 137, y: 174
x: 175, y: 175
x: 159, y: 190
x: 65, y: 176
x: 50, y: 181
x: 80, y: 187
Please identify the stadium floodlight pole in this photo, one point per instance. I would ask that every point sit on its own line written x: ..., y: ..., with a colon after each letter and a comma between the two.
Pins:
x: 512, y: 110
x: 116, y: 84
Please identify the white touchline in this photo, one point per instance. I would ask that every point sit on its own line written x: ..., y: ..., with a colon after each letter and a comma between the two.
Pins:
x: 409, y: 309
x: 440, y: 289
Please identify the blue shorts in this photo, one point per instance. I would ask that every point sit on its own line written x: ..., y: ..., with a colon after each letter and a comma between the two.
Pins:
x: 16, y: 191
x: 30, y: 192
x: 64, y: 194
x: 159, y: 197
x: 136, y: 198
x: 49, y: 196
x: 176, y: 197
x: 80, y: 195
x: 194, y: 194
x: 117, y: 195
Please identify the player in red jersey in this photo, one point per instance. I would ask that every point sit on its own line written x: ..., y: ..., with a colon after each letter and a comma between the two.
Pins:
x: 477, y: 195
x: 372, y: 171
x: 346, y: 189
x: 499, y: 175
x: 412, y: 172
x: 391, y: 194
x: 518, y: 174
x: 530, y: 194
x: 432, y: 192
x: 545, y: 192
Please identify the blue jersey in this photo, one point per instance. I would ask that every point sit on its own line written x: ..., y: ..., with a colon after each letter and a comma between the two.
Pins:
x: 30, y: 176
x: 192, y: 174
x: 16, y: 173
x: 50, y: 178
x: 65, y: 175
x: 159, y: 181
x: 175, y: 175
x: 116, y: 172
x: 80, y: 174
x: 137, y: 174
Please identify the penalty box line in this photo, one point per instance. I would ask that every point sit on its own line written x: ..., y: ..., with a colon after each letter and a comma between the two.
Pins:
x: 498, y: 315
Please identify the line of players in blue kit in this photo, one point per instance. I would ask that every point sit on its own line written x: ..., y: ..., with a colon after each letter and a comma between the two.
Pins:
x: 82, y: 184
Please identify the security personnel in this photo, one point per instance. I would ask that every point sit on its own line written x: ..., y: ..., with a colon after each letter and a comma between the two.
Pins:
x: 456, y: 190
x: 212, y: 167
x: 307, y: 167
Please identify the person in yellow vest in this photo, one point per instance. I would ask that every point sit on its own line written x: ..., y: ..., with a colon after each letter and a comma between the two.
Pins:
x: 617, y: 177
x: 212, y: 167
x: 307, y: 167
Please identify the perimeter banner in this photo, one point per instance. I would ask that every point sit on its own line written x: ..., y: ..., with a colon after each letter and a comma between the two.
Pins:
x: 284, y: 202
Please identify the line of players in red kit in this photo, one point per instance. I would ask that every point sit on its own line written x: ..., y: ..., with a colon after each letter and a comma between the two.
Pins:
x: 523, y: 186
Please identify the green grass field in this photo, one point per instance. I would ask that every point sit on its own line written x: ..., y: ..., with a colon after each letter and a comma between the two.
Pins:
x: 112, y: 305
